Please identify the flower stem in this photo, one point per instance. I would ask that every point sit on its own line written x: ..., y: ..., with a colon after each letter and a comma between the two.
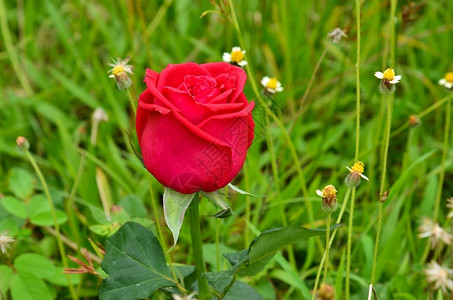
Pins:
x: 132, y: 99
x: 381, y: 190
x: 357, y: 147
x: 444, y: 156
x: 195, y: 232
x: 323, y: 260
x: 348, y: 252
x: 55, y: 221
x: 327, y: 246
x: 154, y: 207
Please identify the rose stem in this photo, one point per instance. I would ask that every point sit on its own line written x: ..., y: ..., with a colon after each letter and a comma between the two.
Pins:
x: 195, y: 233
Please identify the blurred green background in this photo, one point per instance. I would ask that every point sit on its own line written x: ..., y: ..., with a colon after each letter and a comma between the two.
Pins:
x: 54, y: 59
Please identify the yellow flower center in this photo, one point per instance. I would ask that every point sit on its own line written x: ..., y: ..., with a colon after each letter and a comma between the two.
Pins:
x: 272, y: 83
x: 118, y: 70
x: 359, y: 166
x: 389, y: 74
x: 449, y: 77
x: 329, y: 191
x: 237, y: 56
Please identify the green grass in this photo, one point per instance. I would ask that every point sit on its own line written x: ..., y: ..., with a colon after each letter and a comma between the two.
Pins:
x: 54, y: 56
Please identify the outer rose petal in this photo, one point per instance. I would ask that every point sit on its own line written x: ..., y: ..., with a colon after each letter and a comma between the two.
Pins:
x: 180, y: 155
x: 173, y: 75
x: 235, y: 129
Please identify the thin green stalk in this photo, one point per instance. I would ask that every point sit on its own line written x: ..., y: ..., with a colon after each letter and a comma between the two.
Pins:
x: 381, y: 190
x: 444, y: 156
x: 195, y: 233
x: 70, y: 202
x: 132, y: 100
x: 154, y: 207
x: 12, y: 53
x: 357, y: 145
x: 281, y: 206
x: 217, y: 243
x: 247, y: 207
x: 327, y: 245
x: 310, y: 83
x: 321, y: 264
x: 348, y: 253
x: 55, y: 221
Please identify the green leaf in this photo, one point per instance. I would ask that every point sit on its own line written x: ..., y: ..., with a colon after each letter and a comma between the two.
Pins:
x: 134, y: 206
x: 27, y: 286
x: 264, y: 247
x: 15, y: 207
x: 21, y: 183
x: 135, y: 264
x: 238, y: 190
x: 175, y: 206
x: 5, y: 279
x: 240, y: 291
x: 218, y: 200
x: 35, y: 264
x: 40, y: 212
x: 46, y: 219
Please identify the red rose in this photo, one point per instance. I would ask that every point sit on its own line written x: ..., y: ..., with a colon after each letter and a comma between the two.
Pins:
x: 194, y: 125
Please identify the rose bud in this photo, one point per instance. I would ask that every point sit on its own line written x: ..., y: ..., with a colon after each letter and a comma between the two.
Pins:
x: 194, y: 125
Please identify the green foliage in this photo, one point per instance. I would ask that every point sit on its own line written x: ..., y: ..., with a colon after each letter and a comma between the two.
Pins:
x: 135, y: 263
x: 54, y: 55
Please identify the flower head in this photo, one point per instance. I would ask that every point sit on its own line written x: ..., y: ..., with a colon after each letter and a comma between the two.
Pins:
x: 388, y: 80
x: 336, y: 35
x: 22, y: 143
x: 353, y: 178
x: 439, y: 276
x: 235, y: 57
x: 271, y: 85
x: 414, y: 120
x: 329, y: 198
x: 325, y: 292
x: 5, y: 240
x: 120, y: 70
x: 450, y: 206
x: 447, y: 81
x: 434, y: 232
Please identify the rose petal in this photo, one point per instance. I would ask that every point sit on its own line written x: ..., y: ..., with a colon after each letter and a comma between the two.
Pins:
x: 173, y: 75
x: 219, y: 68
x: 235, y: 129
x: 185, y: 159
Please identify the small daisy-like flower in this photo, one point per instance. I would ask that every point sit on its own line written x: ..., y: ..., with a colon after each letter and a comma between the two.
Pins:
x: 100, y: 115
x: 235, y: 57
x: 450, y: 202
x: 447, y: 81
x: 329, y: 198
x: 271, y: 85
x: 326, y: 292
x: 5, y: 241
x: 120, y: 70
x: 434, y: 232
x: 336, y: 35
x: 186, y: 297
x: 414, y: 120
x: 353, y: 178
x: 439, y: 276
x: 389, y: 76
x: 388, y: 80
x: 450, y: 206
x: 22, y: 143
